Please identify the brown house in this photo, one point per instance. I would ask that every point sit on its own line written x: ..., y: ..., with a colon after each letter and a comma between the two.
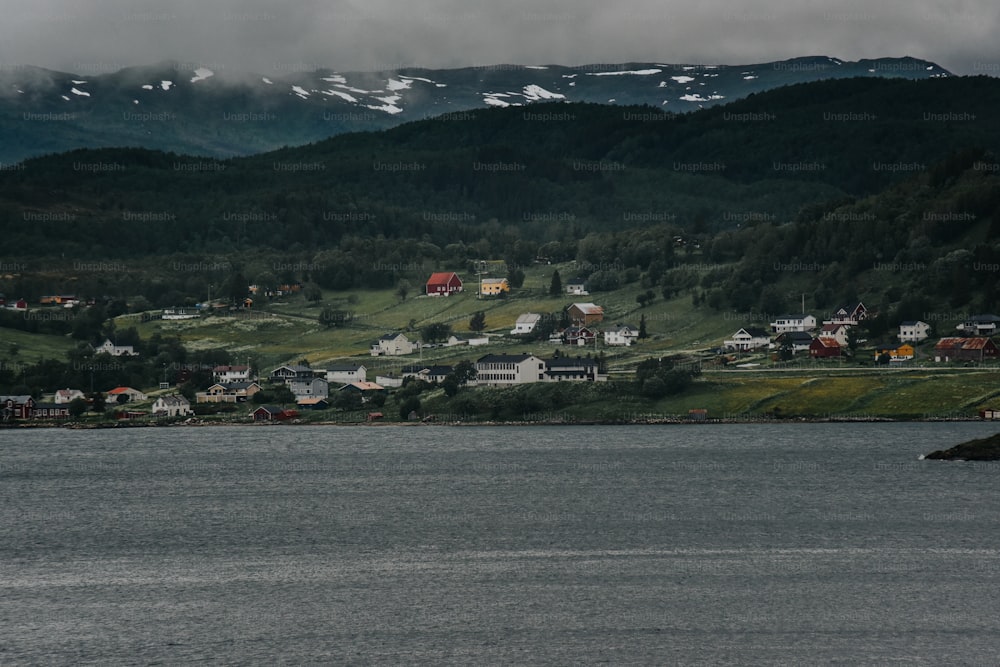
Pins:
x: 966, y: 349
x: 584, y: 314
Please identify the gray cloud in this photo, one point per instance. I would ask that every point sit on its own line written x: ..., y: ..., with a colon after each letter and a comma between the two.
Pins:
x: 267, y: 36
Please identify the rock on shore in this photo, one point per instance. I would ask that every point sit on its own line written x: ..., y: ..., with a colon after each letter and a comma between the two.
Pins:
x: 985, y: 449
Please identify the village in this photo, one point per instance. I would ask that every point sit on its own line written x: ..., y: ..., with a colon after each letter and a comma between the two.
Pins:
x: 575, y: 340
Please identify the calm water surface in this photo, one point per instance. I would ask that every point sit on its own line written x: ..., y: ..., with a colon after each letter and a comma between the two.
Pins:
x: 690, y: 545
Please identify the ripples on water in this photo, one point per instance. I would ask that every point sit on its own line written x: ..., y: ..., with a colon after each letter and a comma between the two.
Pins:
x: 702, y: 544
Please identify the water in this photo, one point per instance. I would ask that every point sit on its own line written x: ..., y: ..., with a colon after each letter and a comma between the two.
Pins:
x: 701, y: 544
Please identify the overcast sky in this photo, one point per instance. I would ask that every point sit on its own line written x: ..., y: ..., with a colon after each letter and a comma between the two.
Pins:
x: 268, y: 36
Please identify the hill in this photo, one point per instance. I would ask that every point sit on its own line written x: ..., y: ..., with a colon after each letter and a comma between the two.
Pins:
x: 187, y: 108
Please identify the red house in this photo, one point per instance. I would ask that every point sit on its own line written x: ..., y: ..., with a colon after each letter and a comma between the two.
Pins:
x: 272, y: 413
x: 443, y: 284
x: 823, y: 348
x: 976, y: 348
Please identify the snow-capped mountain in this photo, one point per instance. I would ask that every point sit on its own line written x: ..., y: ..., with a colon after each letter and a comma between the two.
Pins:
x: 195, y: 109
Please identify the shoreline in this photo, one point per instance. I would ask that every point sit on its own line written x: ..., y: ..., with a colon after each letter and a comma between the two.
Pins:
x: 488, y: 423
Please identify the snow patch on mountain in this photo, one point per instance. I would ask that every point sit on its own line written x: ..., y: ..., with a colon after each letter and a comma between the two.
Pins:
x: 535, y: 67
x: 635, y: 72
x: 267, y: 81
x: 534, y: 92
x: 80, y: 83
x: 301, y: 92
x: 698, y: 98
x: 394, y: 85
x: 682, y: 79
x: 201, y: 74
x: 335, y: 78
x: 64, y: 97
x: 388, y: 108
x: 341, y: 94
x: 77, y: 91
x: 148, y: 86
x: 165, y: 85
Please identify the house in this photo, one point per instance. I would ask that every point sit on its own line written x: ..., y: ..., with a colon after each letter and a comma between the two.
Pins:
x: 227, y: 374
x: 454, y: 340
x: 623, y: 334
x: 21, y: 304
x: 493, y: 286
x: 577, y: 287
x: 309, y: 388
x: 786, y: 323
x: 393, y: 381
x: 748, y: 338
x: 107, y: 347
x: 59, y: 300
x: 272, y: 413
x: 583, y: 314
x: 850, y: 314
x: 427, y: 373
x: 16, y: 407
x: 965, y: 349
x: 824, y: 348
x: 174, y: 405
x: 443, y: 284
x: 50, y: 411
x: 836, y: 331
x: 798, y: 341
x: 393, y: 345
x: 579, y: 336
x: 132, y: 395
x: 314, y: 403
x: 507, y: 369
x: 366, y: 389
x: 980, y: 325
x: 698, y: 414
x: 903, y: 352
x: 585, y: 369
x: 64, y: 396
x: 478, y: 340
x: 526, y: 323
x: 913, y: 332
x: 293, y: 372
x: 234, y: 392
x: 345, y: 373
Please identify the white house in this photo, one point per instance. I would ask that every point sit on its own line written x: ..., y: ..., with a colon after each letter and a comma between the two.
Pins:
x: 346, y: 373
x: 427, y: 373
x: 526, y: 323
x: 577, y: 287
x: 393, y: 345
x: 836, y: 331
x: 133, y: 395
x: 393, y: 381
x: 67, y: 395
x: 748, y: 338
x: 228, y: 374
x: 980, y: 325
x: 172, y: 406
x: 798, y: 341
x: 309, y: 388
x: 508, y: 369
x: 786, y: 323
x: 913, y: 331
x: 107, y: 347
x: 623, y: 334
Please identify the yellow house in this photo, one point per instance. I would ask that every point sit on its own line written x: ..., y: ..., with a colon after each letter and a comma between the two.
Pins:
x: 904, y: 352
x: 493, y: 286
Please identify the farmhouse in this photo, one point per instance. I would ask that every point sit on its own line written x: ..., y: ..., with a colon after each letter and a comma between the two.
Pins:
x: 308, y: 388
x: 560, y: 369
x: 50, y: 411
x: 233, y: 392
x: 836, y: 331
x: 345, y: 373
x: 965, y: 349
x: 272, y: 413
x: 623, y: 335
x: 427, y: 373
x: 748, y: 338
x: 577, y: 287
x: 172, y: 406
x: 584, y: 314
x: 904, y: 352
x: 366, y: 389
x: 107, y: 347
x: 293, y: 372
x: 980, y: 325
x: 64, y: 396
x: 131, y: 395
x: 226, y: 374
x: 578, y: 336
x: 443, y: 284
x: 16, y: 407
x: 494, y: 286
x: 798, y: 341
x: 913, y: 331
x: 850, y: 314
x: 824, y: 348
x: 526, y: 323
x: 393, y: 345
x: 786, y: 323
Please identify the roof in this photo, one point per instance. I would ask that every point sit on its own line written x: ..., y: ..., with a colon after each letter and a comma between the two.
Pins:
x: 345, y: 367
x: 833, y: 327
x: 795, y: 336
x: 588, y: 308
x: 799, y: 316
x: 984, y: 318
x: 954, y: 343
x: 390, y: 336
x: 911, y: 323
x: 576, y: 281
x: 827, y: 342
x: 272, y: 409
x: 624, y: 329
x: 756, y: 332
x: 503, y: 358
x: 564, y: 362
x: 526, y: 318
x: 363, y: 386
x: 429, y: 370
x: 122, y: 390
x: 67, y: 392
x: 494, y: 281
x: 316, y: 400
x: 234, y: 386
x: 230, y: 369
x: 295, y: 368
x: 442, y: 277
x: 174, y: 399
x: 17, y: 399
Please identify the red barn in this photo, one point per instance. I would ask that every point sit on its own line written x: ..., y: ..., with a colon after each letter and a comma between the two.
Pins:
x: 444, y: 284
x: 822, y: 348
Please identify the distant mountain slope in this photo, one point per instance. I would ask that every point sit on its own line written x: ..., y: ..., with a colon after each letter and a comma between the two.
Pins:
x: 194, y: 110
x: 586, y: 167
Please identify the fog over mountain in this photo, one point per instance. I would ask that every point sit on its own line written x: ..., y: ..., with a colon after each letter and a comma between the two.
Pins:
x: 102, y: 36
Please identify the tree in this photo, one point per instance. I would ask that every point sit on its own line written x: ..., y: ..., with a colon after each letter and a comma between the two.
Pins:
x: 645, y: 298
x: 555, y: 287
x: 77, y: 407
x: 97, y: 402
x: 403, y: 289
x: 411, y: 404
x: 478, y: 321
x: 515, y: 277
x: 312, y: 292
x: 436, y: 331
x: 642, y: 327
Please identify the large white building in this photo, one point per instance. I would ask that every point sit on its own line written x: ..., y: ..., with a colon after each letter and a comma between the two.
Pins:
x: 507, y: 369
x: 786, y: 323
x: 912, y: 332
